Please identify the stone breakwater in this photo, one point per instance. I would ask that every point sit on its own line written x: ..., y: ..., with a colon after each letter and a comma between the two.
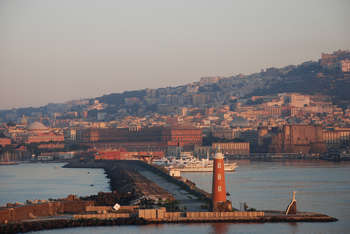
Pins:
x: 126, y: 181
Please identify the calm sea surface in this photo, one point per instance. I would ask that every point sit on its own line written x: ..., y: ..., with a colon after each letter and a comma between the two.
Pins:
x: 321, y: 187
x: 30, y: 181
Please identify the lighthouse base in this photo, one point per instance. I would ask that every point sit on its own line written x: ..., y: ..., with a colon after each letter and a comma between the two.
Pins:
x: 222, y: 206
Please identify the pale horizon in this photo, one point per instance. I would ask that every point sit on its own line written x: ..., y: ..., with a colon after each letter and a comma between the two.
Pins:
x: 54, y: 52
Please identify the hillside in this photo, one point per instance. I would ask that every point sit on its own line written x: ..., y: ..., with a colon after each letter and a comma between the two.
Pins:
x: 313, y: 77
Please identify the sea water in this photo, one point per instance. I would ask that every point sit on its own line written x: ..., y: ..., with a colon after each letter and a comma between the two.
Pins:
x: 321, y: 187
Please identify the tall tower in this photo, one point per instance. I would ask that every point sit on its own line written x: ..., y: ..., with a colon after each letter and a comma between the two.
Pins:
x: 219, y: 186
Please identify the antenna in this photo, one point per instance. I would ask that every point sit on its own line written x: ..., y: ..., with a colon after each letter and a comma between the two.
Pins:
x: 293, y: 199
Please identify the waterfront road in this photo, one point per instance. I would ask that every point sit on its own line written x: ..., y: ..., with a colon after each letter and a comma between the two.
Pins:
x: 185, y: 199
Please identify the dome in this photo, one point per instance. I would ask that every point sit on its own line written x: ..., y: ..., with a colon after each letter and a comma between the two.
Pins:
x: 37, y: 126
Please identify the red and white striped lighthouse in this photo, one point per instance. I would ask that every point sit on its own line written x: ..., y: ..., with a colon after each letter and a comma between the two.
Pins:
x: 219, y: 186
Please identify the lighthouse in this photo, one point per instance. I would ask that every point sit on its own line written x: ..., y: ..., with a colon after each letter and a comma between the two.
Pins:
x: 219, y: 202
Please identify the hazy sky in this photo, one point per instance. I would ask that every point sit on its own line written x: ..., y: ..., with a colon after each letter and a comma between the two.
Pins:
x: 55, y: 51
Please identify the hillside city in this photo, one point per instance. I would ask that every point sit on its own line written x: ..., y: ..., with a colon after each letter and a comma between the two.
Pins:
x: 297, y: 110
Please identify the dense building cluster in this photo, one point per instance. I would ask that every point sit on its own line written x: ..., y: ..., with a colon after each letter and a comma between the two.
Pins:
x: 230, y: 114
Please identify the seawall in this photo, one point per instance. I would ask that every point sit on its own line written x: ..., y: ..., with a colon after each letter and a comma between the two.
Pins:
x: 176, y: 218
x: 38, y: 225
x: 32, y: 211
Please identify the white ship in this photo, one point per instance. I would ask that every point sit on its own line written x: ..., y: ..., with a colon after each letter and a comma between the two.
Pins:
x: 199, y: 167
x: 188, y: 163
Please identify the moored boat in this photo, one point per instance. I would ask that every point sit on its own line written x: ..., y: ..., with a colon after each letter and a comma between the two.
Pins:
x: 186, y: 162
x: 199, y: 167
x: 192, y: 164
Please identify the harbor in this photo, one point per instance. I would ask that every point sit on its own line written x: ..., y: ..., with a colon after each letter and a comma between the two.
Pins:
x: 106, y: 216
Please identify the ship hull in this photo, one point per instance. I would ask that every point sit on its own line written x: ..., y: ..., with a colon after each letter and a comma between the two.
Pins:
x: 203, y: 169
